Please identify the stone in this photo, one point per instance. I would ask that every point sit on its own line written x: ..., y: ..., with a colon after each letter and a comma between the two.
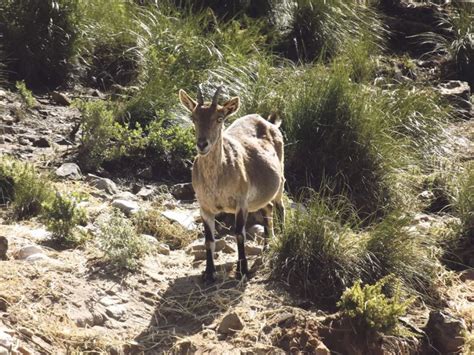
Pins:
x: 126, y: 206
x: 458, y: 93
x: 230, y: 324
x: 69, y: 170
x: 36, y: 257
x: 41, y: 142
x: 117, y: 311
x: 125, y: 195
x: 4, y: 351
x: 3, y: 248
x: 61, y: 98
x: 146, y: 193
x: 81, y: 317
x: 103, y: 184
x: 6, y: 340
x: 467, y: 275
x: 5, y: 129
x: 161, y: 248
x: 183, y: 191
x: 183, y: 217
x: 253, y: 250
x: 29, y: 250
x: 322, y: 349
x: 446, y: 332
x: 110, y: 300
x: 257, y: 230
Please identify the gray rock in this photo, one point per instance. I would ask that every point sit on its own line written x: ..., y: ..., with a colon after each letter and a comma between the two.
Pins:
x: 125, y: 195
x: 146, y: 193
x: 126, y: 206
x: 446, y: 332
x: 183, y: 217
x: 253, y: 250
x: 29, y: 250
x: 163, y: 248
x: 4, y: 351
x: 3, y: 248
x: 110, y: 300
x: 458, y: 93
x: 5, y: 129
x: 41, y: 143
x: 6, y: 341
x: 230, y: 324
x: 60, y: 98
x: 36, y: 257
x: 183, y: 191
x: 117, y: 311
x: 257, y: 230
x: 69, y: 170
x: 101, y: 183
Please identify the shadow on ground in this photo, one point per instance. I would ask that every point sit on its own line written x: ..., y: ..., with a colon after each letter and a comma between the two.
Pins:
x: 185, y: 308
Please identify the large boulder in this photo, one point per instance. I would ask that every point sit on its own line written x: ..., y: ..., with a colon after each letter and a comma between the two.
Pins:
x: 446, y: 332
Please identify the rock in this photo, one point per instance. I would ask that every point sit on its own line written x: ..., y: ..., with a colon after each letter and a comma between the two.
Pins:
x: 183, y: 191
x: 41, y: 143
x: 257, y: 230
x: 126, y: 206
x: 146, y: 193
x: 185, y: 346
x: 184, y: 217
x: 163, y: 249
x: 5, y: 129
x: 101, y: 183
x: 40, y: 234
x: 60, y: 98
x: 81, y: 317
x: 226, y: 267
x: 253, y: 250
x: 458, y: 93
x: 467, y: 275
x: 322, y: 349
x: 230, y: 324
x: 6, y: 341
x: 110, y: 300
x: 4, y: 351
x: 29, y: 250
x: 125, y: 195
x: 69, y: 170
x: 3, y: 248
x: 117, y: 311
x: 36, y: 257
x: 446, y: 332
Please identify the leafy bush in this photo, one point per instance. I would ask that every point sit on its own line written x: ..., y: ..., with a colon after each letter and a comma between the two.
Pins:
x: 323, y: 29
x: 153, y: 223
x: 24, y: 187
x: 318, y: 252
x: 333, y: 133
x: 119, y: 241
x: 39, y: 38
x: 371, y: 308
x: 25, y: 94
x: 61, y: 215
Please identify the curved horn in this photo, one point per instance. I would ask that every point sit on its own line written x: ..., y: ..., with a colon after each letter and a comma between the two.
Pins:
x: 216, y: 96
x: 200, y: 99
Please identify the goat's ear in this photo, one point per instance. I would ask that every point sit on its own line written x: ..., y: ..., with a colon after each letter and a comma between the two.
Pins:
x: 231, y: 106
x: 186, y: 100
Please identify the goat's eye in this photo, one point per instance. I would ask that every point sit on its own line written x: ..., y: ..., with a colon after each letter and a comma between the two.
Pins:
x: 220, y: 119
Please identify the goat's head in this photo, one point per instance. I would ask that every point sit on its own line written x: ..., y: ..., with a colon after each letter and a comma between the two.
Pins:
x: 208, y: 117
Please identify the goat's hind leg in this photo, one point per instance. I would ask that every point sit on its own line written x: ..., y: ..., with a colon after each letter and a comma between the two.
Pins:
x: 209, y: 230
x: 267, y: 213
x: 240, y: 221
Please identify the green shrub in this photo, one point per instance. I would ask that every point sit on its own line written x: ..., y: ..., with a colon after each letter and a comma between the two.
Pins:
x: 333, y: 132
x: 153, y: 223
x: 323, y: 29
x: 39, y: 38
x: 371, y: 308
x: 61, y: 216
x: 23, y: 186
x: 318, y: 251
x: 119, y: 241
x: 25, y: 94
x: 464, y: 201
x: 393, y: 246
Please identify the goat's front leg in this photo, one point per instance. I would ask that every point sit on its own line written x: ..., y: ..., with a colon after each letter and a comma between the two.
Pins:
x: 209, y: 229
x: 240, y: 221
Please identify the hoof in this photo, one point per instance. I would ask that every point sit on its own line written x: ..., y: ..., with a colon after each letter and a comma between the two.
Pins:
x: 242, y: 269
x: 209, y: 277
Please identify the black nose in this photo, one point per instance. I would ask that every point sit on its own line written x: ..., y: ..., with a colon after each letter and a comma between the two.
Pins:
x: 202, y: 144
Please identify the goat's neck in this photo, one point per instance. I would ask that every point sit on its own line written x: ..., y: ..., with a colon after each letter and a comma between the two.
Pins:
x: 214, y: 159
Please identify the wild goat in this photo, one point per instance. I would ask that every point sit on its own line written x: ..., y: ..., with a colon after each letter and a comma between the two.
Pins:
x: 237, y: 170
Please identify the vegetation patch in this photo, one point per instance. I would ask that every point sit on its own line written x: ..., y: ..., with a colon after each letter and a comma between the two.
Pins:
x: 371, y: 308
x: 117, y: 238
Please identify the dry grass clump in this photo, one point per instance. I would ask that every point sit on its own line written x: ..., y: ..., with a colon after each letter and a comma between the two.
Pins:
x: 153, y: 223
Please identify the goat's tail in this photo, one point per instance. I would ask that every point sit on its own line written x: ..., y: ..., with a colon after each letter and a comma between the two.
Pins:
x: 275, y: 119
